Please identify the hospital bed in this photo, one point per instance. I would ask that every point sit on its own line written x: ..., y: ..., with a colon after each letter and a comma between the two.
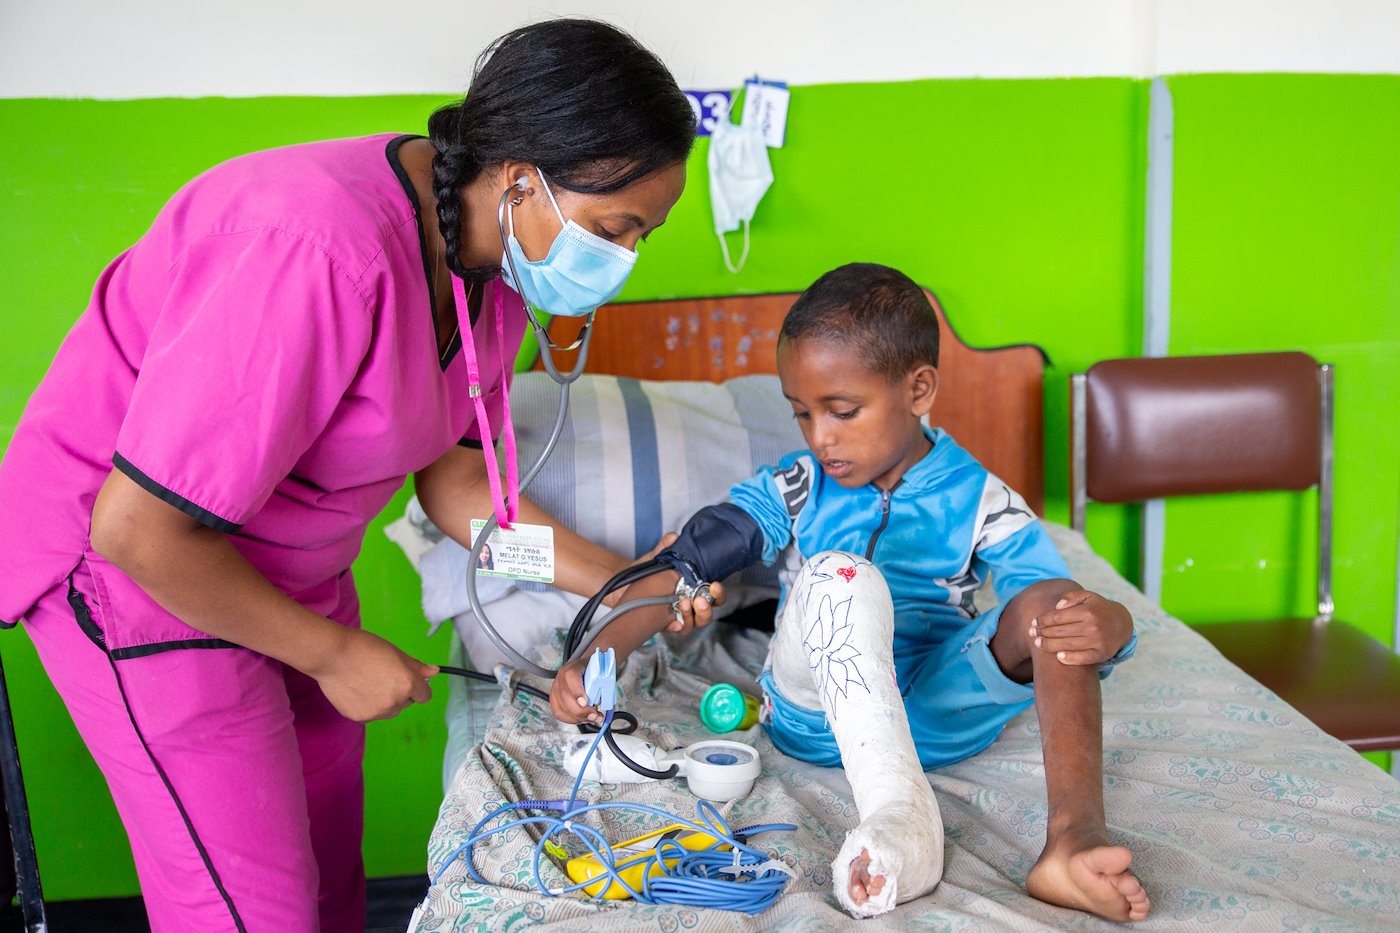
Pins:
x: 1238, y: 810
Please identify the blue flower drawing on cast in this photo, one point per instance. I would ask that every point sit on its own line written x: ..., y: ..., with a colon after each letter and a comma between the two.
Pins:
x: 830, y: 654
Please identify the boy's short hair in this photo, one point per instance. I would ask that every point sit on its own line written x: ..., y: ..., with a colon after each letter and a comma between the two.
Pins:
x: 878, y: 311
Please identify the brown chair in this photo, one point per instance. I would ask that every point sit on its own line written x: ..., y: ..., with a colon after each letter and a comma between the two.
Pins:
x: 1162, y: 427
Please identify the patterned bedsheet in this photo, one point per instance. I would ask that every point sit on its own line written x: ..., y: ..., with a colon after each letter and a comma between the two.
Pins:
x: 1239, y: 812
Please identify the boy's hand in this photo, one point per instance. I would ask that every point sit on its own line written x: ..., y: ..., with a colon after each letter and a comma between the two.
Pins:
x: 567, y: 699
x: 698, y: 612
x: 1083, y: 628
x: 693, y: 613
x: 566, y: 696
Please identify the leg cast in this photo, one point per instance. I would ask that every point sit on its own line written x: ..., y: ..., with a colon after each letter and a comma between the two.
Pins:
x: 833, y: 651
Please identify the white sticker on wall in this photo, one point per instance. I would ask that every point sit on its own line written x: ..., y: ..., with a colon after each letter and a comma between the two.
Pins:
x: 767, y: 102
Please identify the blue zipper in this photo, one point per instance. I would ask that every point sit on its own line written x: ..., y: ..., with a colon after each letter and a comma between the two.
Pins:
x: 885, y: 495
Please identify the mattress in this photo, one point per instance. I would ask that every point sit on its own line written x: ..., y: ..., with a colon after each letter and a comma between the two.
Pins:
x: 1239, y: 812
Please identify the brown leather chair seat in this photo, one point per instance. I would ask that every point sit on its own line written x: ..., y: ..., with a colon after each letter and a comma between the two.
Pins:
x: 1345, y: 681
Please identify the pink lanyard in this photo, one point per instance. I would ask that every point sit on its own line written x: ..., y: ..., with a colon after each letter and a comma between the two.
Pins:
x: 509, y: 507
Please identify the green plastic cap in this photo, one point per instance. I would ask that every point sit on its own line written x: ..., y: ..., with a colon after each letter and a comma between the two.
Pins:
x: 725, y: 708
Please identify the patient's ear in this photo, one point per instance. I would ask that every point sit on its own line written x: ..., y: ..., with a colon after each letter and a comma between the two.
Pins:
x: 923, y: 386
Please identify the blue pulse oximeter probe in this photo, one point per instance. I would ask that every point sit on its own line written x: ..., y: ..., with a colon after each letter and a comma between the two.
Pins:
x: 600, y: 680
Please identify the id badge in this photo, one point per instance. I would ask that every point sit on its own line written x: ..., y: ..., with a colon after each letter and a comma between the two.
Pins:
x: 525, y: 552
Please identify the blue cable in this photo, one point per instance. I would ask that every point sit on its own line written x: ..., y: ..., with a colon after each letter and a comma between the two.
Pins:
x: 607, y: 721
x: 702, y: 878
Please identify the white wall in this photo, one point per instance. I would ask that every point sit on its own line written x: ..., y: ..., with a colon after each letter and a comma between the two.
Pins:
x: 180, y: 48
x: 1357, y: 36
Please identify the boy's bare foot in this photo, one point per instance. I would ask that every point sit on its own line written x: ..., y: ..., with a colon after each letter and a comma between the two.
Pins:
x: 893, y: 856
x: 1081, y: 870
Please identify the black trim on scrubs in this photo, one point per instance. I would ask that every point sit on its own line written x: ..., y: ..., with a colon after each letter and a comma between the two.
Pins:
x: 99, y: 638
x: 160, y: 647
x: 198, y: 513
x: 471, y: 442
x: 84, y: 617
x: 391, y: 152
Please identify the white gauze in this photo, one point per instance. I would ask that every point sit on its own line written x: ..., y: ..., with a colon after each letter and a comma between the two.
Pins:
x: 833, y: 651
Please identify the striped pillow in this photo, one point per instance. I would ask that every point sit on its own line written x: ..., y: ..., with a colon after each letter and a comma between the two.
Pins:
x: 636, y: 459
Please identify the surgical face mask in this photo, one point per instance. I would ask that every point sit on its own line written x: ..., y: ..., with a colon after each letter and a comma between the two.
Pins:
x: 740, y: 174
x: 581, y: 271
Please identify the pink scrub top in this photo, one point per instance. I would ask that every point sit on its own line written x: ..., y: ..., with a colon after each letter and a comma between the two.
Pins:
x: 264, y: 359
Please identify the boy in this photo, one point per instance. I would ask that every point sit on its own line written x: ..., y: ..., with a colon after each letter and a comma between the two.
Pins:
x: 880, y: 662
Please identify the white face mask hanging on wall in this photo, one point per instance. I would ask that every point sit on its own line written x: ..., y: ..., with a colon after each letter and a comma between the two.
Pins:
x: 740, y: 173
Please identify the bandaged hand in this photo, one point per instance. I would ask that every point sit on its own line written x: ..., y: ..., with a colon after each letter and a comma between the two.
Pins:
x: 1083, y: 628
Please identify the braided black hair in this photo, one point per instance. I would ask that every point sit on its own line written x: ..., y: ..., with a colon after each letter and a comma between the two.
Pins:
x: 580, y: 99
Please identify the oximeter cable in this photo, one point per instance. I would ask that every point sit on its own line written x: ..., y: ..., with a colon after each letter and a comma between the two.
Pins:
x: 628, y: 722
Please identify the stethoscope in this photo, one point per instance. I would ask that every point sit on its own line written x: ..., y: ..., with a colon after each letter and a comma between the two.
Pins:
x: 513, y: 197
x: 584, y: 629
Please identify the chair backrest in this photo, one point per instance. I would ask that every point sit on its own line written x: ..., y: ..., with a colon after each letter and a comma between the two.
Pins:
x: 1158, y: 427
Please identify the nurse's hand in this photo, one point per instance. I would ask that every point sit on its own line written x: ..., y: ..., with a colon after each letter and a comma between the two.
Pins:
x: 368, y: 678
x: 690, y: 613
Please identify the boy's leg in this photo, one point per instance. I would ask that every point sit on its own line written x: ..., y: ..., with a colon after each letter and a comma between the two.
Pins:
x: 833, y: 651
x: 1078, y: 867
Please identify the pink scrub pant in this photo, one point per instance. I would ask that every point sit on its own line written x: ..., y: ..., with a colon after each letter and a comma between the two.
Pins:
x: 267, y: 772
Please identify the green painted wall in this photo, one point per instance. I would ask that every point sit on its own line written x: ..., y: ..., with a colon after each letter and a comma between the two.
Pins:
x: 1019, y: 202
x: 1288, y: 237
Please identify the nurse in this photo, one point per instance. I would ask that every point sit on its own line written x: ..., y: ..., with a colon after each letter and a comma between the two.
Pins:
x: 251, y: 383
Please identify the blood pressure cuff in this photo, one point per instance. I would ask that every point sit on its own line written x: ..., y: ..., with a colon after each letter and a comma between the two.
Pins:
x: 719, y: 540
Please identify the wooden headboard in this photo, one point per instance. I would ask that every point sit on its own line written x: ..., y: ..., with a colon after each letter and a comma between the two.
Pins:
x: 990, y: 400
